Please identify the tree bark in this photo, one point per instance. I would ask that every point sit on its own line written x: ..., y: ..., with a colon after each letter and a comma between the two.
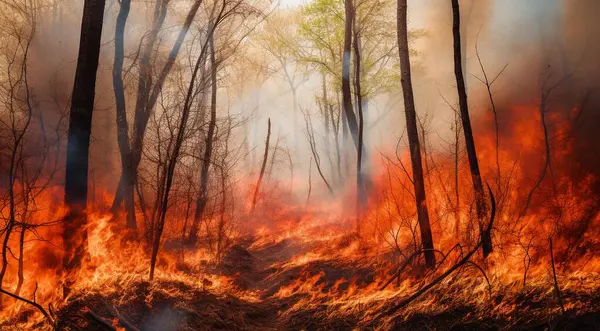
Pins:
x: 346, y: 92
x: 78, y: 141
x: 360, y: 185
x: 486, y: 242
x: 121, y: 110
x: 413, y: 136
x: 327, y: 124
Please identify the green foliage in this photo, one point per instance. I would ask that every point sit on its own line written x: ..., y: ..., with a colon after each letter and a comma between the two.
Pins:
x: 311, y: 39
x: 321, y: 30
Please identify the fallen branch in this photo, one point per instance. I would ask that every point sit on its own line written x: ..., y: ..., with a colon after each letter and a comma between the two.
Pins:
x: 98, y: 320
x: 123, y: 321
x: 39, y: 307
x: 424, y: 289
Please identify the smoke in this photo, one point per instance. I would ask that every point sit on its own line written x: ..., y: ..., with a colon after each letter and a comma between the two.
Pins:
x: 549, y: 52
x: 52, y: 60
x: 541, y: 42
x: 532, y: 46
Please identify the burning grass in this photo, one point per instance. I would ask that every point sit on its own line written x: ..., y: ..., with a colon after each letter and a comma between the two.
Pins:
x: 333, y: 292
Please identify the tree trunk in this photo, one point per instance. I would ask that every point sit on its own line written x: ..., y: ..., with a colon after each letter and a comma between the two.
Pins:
x: 413, y: 135
x: 336, y: 134
x: 327, y: 126
x: 78, y: 141
x: 121, y: 110
x: 143, y: 89
x: 208, y: 148
x: 456, y: 173
x: 486, y: 241
x: 262, y: 168
x: 361, y: 194
x: 346, y: 92
x: 20, y: 274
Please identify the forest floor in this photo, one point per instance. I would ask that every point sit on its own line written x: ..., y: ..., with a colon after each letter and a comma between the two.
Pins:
x: 267, y: 290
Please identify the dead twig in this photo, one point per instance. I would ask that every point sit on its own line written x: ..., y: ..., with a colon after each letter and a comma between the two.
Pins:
x: 448, y: 272
x: 556, y: 287
x: 484, y: 275
x: 262, y: 169
x: 409, y: 259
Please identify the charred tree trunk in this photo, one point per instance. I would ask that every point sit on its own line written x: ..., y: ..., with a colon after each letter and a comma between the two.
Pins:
x: 486, y: 242
x: 456, y: 173
x: 346, y: 92
x: 208, y: 148
x: 121, y: 110
x: 360, y: 185
x: 78, y: 142
x: 413, y: 136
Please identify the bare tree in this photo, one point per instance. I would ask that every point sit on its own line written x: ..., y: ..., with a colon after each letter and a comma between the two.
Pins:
x: 144, y: 80
x: 486, y: 242
x: 413, y: 136
x: 221, y: 13
x: 18, y: 126
x: 310, y: 135
x: 208, y: 148
x: 121, y: 110
x: 147, y: 95
x: 170, y: 167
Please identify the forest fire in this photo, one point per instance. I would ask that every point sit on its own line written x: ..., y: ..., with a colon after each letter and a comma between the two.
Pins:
x: 188, y: 202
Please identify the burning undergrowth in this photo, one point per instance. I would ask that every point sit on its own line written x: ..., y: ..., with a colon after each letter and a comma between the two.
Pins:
x: 293, y: 265
x: 329, y: 292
